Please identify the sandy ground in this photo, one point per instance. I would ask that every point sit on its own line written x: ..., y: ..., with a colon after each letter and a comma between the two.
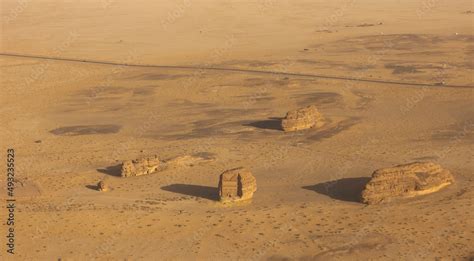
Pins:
x: 72, y: 123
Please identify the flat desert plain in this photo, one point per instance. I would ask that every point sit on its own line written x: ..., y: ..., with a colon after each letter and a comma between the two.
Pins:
x: 393, y: 80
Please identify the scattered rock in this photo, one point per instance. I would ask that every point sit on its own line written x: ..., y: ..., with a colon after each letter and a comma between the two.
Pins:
x: 103, y: 186
x: 303, y: 118
x: 138, y: 167
x: 236, y: 185
x: 408, y: 180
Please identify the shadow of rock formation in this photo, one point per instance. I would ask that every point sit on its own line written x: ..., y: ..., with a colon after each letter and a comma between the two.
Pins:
x: 205, y: 192
x: 346, y: 189
x: 93, y: 187
x: 112, y: 170
x: 270, y: 124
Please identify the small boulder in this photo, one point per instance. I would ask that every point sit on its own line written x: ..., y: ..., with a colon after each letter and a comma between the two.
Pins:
x: 300, y: 119
x: 103, y: 186
x: 138, y: 167
x: 236, y: 185
x: 408, y: 180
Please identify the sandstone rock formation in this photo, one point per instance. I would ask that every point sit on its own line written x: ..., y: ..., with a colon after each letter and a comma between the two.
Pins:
x: 301, y: 119
x: 236, y: 185
x: 407, y: 180
x: 103, y: 186
x: 138, y: 167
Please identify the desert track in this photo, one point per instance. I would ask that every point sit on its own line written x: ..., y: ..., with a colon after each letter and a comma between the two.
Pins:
x: 207, y: 68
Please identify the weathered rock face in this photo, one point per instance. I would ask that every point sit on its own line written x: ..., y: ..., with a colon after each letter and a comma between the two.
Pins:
x: 236, y: 185
x: 103, y: 186
x: 407, y: 180
x: 138, y: 167
x: 304, y: 118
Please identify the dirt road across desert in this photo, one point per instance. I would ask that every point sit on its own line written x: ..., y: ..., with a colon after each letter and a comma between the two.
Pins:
x: 393, y: 80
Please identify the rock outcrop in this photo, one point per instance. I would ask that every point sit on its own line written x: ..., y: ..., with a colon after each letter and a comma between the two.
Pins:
x: 103, y: 186
x: 304, y: 118
x: 407, y: 180
x: 236, y: 185
x: 138, y: 167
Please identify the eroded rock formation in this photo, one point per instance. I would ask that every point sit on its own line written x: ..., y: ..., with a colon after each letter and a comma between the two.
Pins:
x: 406, y: 180
x: 138, y: 167
x: 236, y: 185
x: 144, y: 166
x: 300, y: 119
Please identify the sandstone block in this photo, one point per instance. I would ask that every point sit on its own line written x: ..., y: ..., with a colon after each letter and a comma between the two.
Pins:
x: 406, y: 180
x: 300, y: 119
x: 236, y: 185
x: 138, y: 167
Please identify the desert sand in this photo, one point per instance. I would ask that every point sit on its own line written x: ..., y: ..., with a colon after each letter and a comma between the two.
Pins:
x: 231, y: 70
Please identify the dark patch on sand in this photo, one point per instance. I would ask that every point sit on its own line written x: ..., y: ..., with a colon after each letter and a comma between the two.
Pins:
x: 230, y: 112
x: 330, y: 129
x: 394, y: 42
x: 157, y: 76
x: 207, y: 129
x: 250, y: 63
x: 318, y: 98
x: 426, y: 158
x: 108, y: 98
x: 262, y: 97
x: 270, y: 82
x: 459, y: 132
x: 364, y: 100
x: 326, y: 64
x: 188, y: 105
x: 86, y: 130
x: 400, y: 69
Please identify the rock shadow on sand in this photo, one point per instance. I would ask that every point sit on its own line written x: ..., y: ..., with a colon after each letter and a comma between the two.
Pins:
x: 346, y: 189
x: 198, y: 191
x: 112, y: 170
x: 93, y: 187
x: 273, y: 123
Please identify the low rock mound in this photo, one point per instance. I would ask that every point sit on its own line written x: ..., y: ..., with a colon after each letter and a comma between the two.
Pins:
x: 409, y: 180
x: 236, y: 185
x: 189, y: 160
x: 300, y: 119
x: 138, y: 167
